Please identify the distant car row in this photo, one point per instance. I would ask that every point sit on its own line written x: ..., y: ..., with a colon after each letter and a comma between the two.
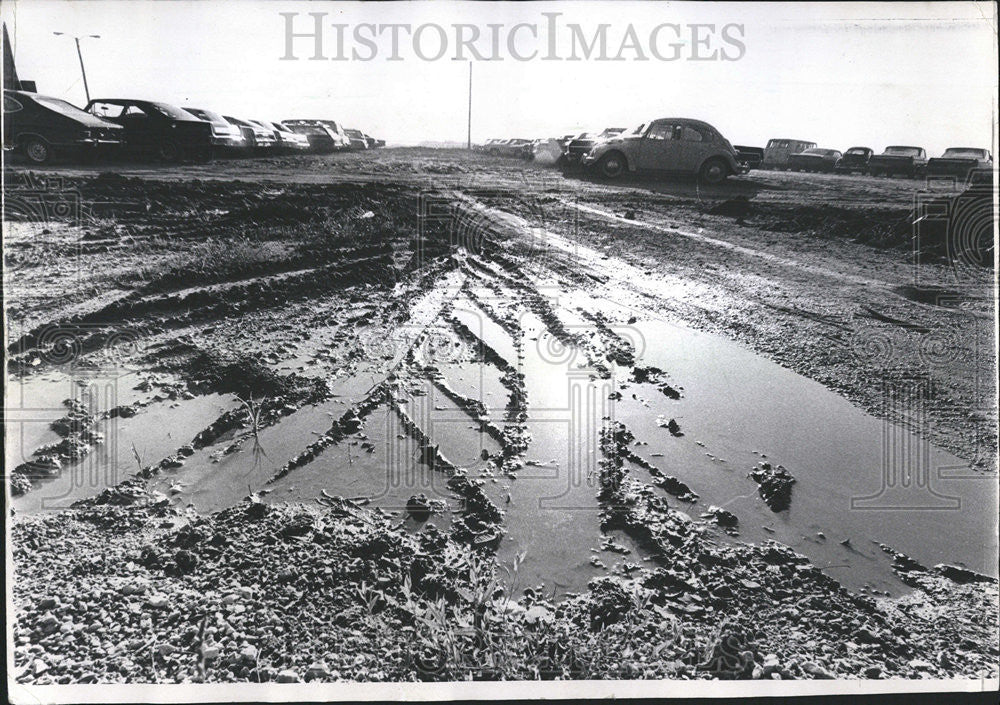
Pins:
x: 800, y: 155
x: 41, y: 127
x: 679, y: 145
x: 695, y: 147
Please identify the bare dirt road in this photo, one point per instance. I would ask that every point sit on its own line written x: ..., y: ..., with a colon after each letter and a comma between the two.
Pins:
x: 643, y: 401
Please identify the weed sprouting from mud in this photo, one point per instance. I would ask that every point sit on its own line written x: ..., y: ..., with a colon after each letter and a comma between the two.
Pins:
x: 255, y: 417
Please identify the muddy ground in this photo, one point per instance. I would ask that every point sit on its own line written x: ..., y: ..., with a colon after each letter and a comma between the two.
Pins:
x: 435, y: 410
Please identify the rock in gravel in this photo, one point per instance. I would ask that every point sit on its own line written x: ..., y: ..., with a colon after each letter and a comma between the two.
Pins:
x: 873, y: 672
x: 186, y: 561
x: 317, y: 671
x: 288, y: 676
x: 47, y: 603
x: 158, y: 601
x: 133, y: 588
x: 815, y: 670
x: 249, y: 654
x: 48, y: 623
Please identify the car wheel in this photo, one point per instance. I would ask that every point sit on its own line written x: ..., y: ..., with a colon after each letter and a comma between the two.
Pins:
x: 169, y: 151
x: 37, y: 150
x: 612, y: 165
x: 714, y: 171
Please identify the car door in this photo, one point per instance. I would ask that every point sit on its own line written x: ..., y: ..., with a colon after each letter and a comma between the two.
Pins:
x: 140, y: 127
x: 658, y: 149
x: 693, y: 148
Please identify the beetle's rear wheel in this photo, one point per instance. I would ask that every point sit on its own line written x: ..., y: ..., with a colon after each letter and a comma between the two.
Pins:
x: 612, y: 165
x: 714, y: 171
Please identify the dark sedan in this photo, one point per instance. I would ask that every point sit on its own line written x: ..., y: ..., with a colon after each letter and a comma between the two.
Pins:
x: 158, y: 128
x: 855, y: 159
x: 40, y: 127
x: 815, y: 159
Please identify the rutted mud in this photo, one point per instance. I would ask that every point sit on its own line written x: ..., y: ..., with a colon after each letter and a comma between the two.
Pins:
x: 521, y: 392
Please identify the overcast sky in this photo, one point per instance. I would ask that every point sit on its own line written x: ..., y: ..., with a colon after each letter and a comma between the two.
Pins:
x: 837, y: 74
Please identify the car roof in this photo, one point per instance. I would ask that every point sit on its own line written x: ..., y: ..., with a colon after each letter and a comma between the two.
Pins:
x: 691, y: 121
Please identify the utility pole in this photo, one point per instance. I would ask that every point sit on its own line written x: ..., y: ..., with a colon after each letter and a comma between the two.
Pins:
x: 79, y: 54
x: 469, y: 133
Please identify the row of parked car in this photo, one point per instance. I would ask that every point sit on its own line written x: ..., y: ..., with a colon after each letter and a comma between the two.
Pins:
x: 695, y: 147
x: 679, y: 145
x: 902, y: 160
x: 41, y: 127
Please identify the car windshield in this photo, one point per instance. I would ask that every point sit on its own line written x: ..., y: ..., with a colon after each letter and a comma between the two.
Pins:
x: 965, y: 152
x: 61, y: 106
x: 638, y: 130
x: 857, y: 150
x: 903, y: 151
x: 170, y: 111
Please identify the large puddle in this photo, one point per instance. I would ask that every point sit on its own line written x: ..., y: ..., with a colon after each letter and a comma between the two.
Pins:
x: 860, y: 480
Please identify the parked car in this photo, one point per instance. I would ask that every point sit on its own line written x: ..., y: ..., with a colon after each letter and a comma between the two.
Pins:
x: 517, y: 147
x: 749, y: 157
x: 959, y: 162
x: 372, y: 142
x: 41, y: 127
x: 225, y: 135
x: 494, y: 146
x: 337, y: 130
x: 584, y: 142
x: 855, y: 159
x: 778, y: 150
x: 356, y: 140
x: 815, y: 159
x: 257, y: 137
x: 319, y: 136
x: 285, y: 139
x: 679, y: 145
x: 484, y: 146
x: 158, y: 128
x: 908, y: 161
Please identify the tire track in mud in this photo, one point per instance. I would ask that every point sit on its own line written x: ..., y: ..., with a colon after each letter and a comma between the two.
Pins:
x: 748, y: 251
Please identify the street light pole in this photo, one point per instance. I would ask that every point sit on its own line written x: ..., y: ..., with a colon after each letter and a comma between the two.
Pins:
x: 86, y: 88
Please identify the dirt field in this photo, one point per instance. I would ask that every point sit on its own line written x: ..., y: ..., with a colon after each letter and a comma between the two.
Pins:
x: 513, y: 403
